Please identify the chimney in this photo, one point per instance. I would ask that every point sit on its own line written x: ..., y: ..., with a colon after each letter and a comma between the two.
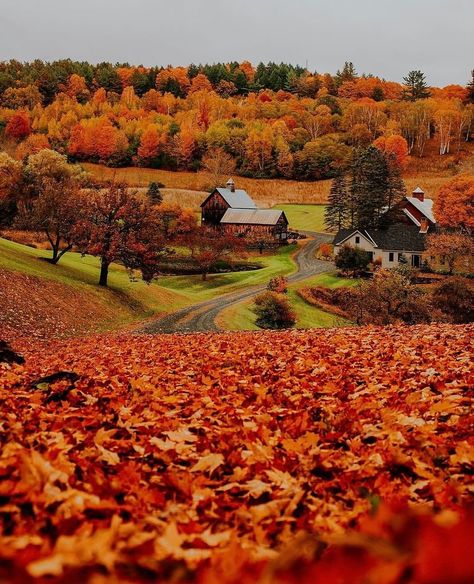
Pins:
x: 424, y: 225
x: 419, y: 194
x: 231, y: 185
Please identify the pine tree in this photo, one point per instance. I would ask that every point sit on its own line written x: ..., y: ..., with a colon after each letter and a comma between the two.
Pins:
x: 415, y: 86
x: 376, y: 188
x: 348, y: 73
x: 369, y: 187
x: 337, y: 212
x: 396, y: 192
x: 154, y: 193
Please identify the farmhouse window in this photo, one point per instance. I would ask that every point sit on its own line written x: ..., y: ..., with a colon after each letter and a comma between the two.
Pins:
x: 357, y: 239
x: 390, y: 256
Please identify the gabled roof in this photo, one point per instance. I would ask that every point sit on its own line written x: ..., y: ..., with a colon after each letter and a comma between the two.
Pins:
x: 252, y: 216
x: 425, y: 207
x: 397, y: 237
x: 344, y: 234
x: 238, y: 199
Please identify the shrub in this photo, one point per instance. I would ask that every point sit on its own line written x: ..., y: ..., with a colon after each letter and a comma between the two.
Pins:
x: 278, y: 284
x: 273, y: 311
x: 389, y: 298
x: 377, y: 263
x: 325, y: 250
x: 455, y: 298
x: 154, y: 193
x: 352, y: 259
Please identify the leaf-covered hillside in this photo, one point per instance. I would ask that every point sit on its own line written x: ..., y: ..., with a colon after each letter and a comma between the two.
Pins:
x: 202, y: 457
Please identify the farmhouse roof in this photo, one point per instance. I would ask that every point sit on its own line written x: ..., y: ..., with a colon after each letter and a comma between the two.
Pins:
x: 425, y: 207
x: 238, y: 199
x: 397, y: 237
x: 252, y: 216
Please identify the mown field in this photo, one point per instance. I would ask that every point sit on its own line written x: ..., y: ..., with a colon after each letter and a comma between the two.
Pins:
x: 188, y: 188
x: 266, y: 192
x: 304, y: 217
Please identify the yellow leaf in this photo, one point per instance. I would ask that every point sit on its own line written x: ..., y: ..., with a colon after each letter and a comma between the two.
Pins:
x: 208, y: 463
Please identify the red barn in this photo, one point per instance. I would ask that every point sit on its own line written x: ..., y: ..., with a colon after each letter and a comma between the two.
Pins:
x: 418, y: 211
x: 233, y: 211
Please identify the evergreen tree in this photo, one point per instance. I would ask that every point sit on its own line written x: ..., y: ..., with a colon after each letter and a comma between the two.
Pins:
x: 376, y: 188
x: 378, y: 94
x: 348, y: 73
x: 415, y: 86
x: 369, y: 187
x: 396, y: 191
x: 337, y: 212
x: 193, y: 71
x: 154, y: 193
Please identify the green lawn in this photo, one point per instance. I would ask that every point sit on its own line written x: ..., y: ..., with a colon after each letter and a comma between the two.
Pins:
x: 241, y: 317
x: 216, y: 284
x: 137, y: 300
x: 304, y: 217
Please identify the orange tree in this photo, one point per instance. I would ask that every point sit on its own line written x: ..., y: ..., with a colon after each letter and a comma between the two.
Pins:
x: 454, y: 206
x: 209, y: 246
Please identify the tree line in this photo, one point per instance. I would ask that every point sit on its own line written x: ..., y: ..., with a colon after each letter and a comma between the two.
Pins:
x: 269, y: 121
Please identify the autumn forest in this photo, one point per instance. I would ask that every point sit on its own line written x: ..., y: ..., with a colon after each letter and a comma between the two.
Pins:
x: 269, y: 120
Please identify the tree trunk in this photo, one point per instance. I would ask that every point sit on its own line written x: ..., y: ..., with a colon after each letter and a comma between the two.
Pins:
x: 104, y: 272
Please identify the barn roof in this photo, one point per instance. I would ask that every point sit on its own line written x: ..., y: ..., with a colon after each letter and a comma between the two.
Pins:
x: 238, y: 199
x: 252, y: 216
x: 425, y: 207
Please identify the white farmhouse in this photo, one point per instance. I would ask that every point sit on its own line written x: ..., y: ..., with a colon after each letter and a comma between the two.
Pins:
x: 405, y: 239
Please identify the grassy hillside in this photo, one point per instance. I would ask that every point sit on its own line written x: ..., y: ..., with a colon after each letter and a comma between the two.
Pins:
x: 74, y: 303
x: 304, y: 217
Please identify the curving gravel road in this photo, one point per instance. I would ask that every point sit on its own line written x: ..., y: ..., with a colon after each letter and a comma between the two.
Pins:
x: 201, y: 317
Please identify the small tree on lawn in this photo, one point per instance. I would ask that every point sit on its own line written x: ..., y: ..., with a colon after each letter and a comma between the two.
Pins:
x: 55, y: 212
x: 278, y: 284
x: 209, y: 246
x: 154, y: 193
x: 352, y: 260
x: 273, y: 311
x: 325, y: 250
x: 119, y: 226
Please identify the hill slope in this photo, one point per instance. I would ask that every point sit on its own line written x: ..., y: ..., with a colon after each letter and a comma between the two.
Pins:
x: 42, y: 300
x: 178, y: 450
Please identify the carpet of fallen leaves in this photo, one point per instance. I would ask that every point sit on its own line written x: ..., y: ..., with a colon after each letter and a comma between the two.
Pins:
x: 40, y: 308
x: 332, y: 456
